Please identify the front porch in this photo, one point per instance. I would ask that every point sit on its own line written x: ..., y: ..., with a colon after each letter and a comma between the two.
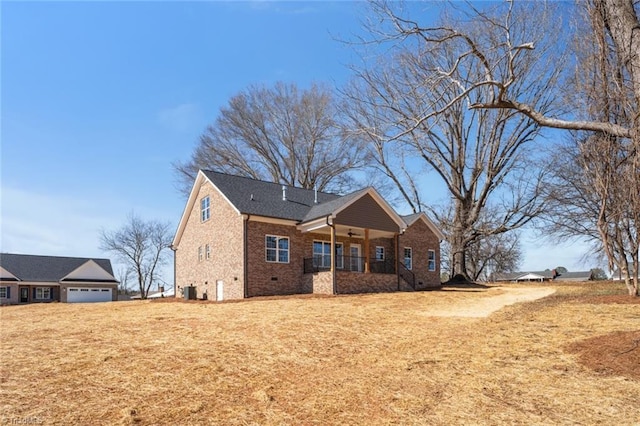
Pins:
x: 38, y: 293
x: 354, y: 246
x: 356, y: 275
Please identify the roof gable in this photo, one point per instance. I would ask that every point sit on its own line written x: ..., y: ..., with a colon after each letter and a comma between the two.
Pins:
x: 366, y: 212
x: 332, y: 207
x: 6, y: 275
x: 47, y: 268
x: 412, y: 218
x: 89, y: 271
x: 364, y: 208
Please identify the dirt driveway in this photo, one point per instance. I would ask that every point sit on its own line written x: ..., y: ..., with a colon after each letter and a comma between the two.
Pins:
x: 495, y: 299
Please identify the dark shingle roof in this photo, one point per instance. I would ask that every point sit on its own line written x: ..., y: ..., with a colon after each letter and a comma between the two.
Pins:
x: 262, y: 198
x: 45, y: 268
x: 410, y: 218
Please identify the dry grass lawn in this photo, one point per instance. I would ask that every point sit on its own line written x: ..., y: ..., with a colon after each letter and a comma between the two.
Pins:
x: 400, y: 358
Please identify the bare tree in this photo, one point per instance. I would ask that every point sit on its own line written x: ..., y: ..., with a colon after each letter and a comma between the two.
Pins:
x: 501, y: 72
x: 496, y: 253
x: 124, y: 276
x: 413, y: 118
x: 142, y: 246
x: 612, y: 43
x: 486, y: 254
x: 594, y: 194
x: 281, y: 134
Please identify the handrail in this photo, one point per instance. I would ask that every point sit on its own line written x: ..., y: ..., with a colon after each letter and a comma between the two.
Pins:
x: 407, y: 275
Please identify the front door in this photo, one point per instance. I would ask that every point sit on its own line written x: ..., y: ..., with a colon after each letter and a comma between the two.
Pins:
x: 356, y: 260
x: 24, y: 294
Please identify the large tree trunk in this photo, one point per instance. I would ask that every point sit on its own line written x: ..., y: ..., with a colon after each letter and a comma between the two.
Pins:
x: 459, y: 260
x: 459, y: 241
x: 623, y: 24
x: 632, y: 283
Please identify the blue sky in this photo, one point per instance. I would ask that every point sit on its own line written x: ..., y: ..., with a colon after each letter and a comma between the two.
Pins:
x: 99, y: 98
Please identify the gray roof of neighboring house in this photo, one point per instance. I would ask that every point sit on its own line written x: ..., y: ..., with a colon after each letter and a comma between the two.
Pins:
x: 575, y: 276
x: 262, y: 198
x: 567, y: 276
x: 28, y: 267
x: 512, y: 276
x: 617, y: 275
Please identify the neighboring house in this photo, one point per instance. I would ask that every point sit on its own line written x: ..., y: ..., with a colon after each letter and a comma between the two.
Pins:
x: 240, y: 237
x: 617, y: 275
x: 34, y: 279
x: 160, y: 294
x: 538, y: 276
x: 578, y: 276
x: 157, y: 294
x: 542, y: 276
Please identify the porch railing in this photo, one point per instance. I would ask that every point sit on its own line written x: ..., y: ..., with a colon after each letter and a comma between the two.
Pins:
x: 349, y: 264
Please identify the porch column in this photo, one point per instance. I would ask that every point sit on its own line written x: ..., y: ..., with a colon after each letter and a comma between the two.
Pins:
x: 332, y: 267
x: 366, y: 251
x: 396, y: 243
x: 333, y: 259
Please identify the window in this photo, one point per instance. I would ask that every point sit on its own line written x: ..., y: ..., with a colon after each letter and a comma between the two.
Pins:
x: 200, y: 254
x: 432, y: 260
x: 43, y: 293
x: 205, y: 212
x: 4, y: 292
x: 207, y: 252
x: 277, y: 249
x: 408, y: 258
x: 322, y: 254
x: 379, y: 253
x: 339, y: 258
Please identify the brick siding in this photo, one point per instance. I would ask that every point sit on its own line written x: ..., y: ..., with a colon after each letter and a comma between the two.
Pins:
x: 357, y: 282
x: 421, y: 239
x: 272, y: 278
x: 224, y: 234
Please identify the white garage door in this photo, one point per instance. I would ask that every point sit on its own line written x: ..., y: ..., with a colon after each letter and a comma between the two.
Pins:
x: 86, y: 295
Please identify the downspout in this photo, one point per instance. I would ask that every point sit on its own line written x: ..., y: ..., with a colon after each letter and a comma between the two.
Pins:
x: 175, y: 276
x: 397, y: 265
x: 245, y: 267
x: 398, y: 255
x: 333, y: 255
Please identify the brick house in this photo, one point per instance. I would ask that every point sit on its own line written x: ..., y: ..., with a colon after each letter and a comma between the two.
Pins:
x: 40, y: 279
x: 239, y: 237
